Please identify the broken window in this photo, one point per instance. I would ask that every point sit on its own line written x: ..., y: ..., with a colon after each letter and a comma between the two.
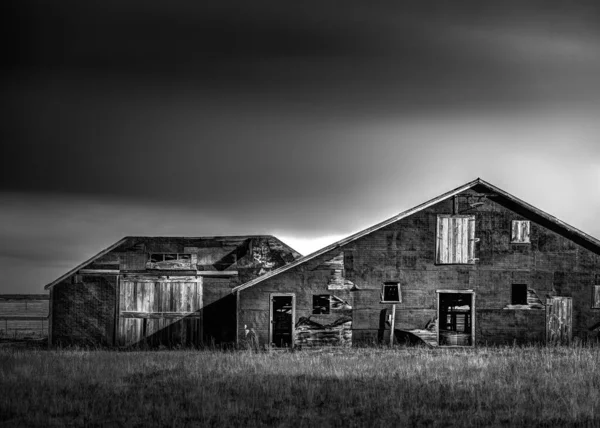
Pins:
x: 169, y: 261
x: 520, y: 232
x: 321, y: 304
x: 455, y: 239
x: 391, y: 292
x: 596, y: 297
x: 169, y: 257
x: 519, y: 294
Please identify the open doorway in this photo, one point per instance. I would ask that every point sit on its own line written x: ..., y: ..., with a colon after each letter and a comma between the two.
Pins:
x: 456, y: 317
x: 283, y: 313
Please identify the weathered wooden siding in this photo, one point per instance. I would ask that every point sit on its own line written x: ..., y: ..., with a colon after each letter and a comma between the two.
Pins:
x: 84, y: 312
x: 147, y: 303
x: 554, y: 263
x: 24, y: 315
x: 160, y: 310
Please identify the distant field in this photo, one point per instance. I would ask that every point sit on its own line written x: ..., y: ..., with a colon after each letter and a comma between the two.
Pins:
x: 351, y: 387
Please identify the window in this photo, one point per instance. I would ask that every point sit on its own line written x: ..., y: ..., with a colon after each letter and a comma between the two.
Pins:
x: 455, y: 239
x: 321, y: 304
x: 596, y: 296
x: 520, y: 232
x: 169, y: 261
x: 169, y: 257
x: 519, y: 294
x: 391, y: 292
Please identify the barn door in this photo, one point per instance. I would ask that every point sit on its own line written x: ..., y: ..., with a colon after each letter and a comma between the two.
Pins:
x: 559, y: 323
x: 282, y: 320
x: 160, y: 311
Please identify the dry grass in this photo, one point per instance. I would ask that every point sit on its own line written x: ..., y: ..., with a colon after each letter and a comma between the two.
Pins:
x: 353, y: 387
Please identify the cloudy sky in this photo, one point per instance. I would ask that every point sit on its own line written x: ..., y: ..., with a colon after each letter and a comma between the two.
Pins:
x: 306, y: 120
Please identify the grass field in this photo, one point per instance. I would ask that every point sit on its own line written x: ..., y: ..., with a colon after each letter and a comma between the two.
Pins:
x: 526, y: 386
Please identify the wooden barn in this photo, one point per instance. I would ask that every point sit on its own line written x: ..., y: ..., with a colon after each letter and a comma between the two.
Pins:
x: 160, y: 290
x: 475, y: 265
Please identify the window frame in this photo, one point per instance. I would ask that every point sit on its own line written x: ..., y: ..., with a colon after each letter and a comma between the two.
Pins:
x: 391, y: 284
x: 188, y: 256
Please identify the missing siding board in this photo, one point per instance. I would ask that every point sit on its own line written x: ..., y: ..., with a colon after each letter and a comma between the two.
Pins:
x: 520, y: 232
x: 337, y: 278
x: 531, y: 300
x: 596, y: 296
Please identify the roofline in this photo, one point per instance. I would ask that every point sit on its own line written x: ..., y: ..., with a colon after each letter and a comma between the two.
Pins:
x: 123, y: 240
x: 81, y: 265
x: 414, y: 210
x: 356, y: 236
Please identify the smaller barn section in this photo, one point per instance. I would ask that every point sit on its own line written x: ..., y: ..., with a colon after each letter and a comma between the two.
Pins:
x: 160, y: 290
x: 24, y: 316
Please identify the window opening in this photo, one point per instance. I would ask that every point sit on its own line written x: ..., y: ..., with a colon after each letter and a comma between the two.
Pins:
x: 321, y: 304
x: 519, y: 294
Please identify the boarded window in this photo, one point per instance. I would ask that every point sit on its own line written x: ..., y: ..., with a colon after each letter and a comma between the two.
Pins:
x: 391, y: 292
x: 596, y: 297
x: 519, y: 294
x: 520, y: 232
x: 321, y: 304
x: 455, y: 239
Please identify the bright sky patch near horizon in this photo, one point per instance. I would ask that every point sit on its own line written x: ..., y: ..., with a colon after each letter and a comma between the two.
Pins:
x: 308, y: 121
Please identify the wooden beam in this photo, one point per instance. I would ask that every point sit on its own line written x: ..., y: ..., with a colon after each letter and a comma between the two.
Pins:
x: 98, y: 272
x: 159, y: 315
x: 216, y: 273
x: 13, y: 318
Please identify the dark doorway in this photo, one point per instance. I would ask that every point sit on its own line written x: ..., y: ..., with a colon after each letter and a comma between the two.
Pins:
x: 455, y: 315
x: 282, y: 320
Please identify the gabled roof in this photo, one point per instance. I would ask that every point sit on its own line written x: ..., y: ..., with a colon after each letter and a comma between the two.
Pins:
x: 572, y: 231
x: 134, y: 238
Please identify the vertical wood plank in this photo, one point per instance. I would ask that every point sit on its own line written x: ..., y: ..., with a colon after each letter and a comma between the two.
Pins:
x: 139, y: 296
x: 444, y: 239
x: 526, y: 231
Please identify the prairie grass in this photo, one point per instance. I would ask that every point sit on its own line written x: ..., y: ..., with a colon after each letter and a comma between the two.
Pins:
x: 523, y: 386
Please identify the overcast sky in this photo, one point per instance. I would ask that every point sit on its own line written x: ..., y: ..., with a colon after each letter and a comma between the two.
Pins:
x: 306, y: 120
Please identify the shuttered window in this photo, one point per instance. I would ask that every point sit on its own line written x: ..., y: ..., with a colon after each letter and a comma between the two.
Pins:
x: 455, y: 239
x: 520, y: 232
x: 596, y: 296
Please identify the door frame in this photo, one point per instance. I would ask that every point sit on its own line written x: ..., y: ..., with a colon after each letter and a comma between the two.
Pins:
x: 271, y: 295
x: 437, y: 327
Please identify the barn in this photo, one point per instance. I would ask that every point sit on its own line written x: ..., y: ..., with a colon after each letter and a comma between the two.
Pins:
x: 160, y: 290
x: 475, y: 265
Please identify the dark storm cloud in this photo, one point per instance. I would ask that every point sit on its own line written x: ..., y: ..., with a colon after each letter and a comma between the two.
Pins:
x: 241, y: 103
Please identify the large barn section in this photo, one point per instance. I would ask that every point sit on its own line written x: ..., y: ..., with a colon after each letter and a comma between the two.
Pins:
x: 160, y: 290
x: 475, y: 265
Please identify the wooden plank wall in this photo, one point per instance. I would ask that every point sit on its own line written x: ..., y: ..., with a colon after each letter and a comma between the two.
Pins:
x: 160, y: 310
x: 24, y: 315
x: 551, y: 264
x: 559, y: 320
